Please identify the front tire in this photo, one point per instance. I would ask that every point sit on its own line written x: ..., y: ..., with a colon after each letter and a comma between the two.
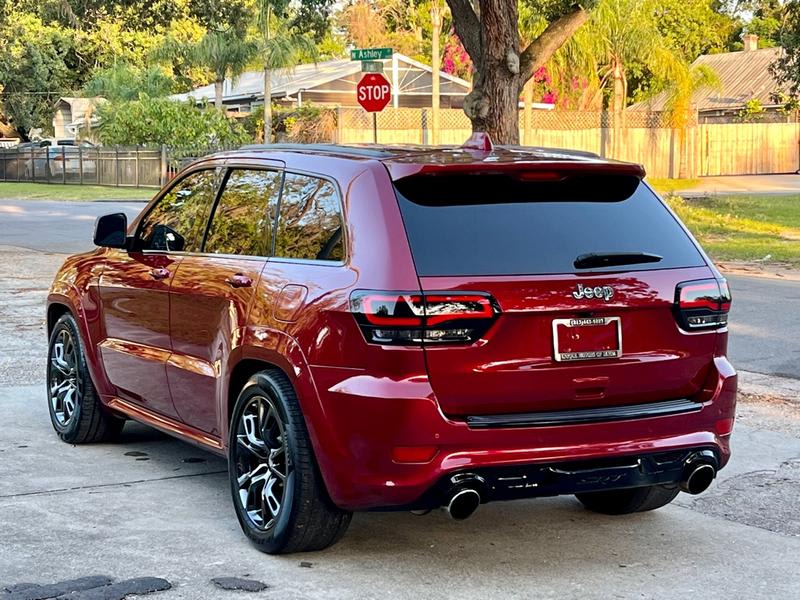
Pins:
x: 278, y: 492
x: 627, y: 501
x: 75, y: 409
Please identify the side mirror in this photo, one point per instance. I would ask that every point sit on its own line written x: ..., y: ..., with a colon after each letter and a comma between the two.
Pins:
x: 111, y: 231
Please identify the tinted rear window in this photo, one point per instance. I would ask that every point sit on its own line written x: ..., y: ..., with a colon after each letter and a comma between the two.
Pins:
x: 498, y: 225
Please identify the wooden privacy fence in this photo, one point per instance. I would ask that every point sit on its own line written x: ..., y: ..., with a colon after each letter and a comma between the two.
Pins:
x: 642, y: 137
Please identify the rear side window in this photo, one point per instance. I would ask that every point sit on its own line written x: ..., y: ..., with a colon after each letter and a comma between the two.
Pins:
x: 496, y: 225
x: 309, y: 220
x: 177, y: 222
x: 245, y: 212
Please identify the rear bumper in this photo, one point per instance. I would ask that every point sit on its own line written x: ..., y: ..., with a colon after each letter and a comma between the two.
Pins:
x: 368, y: 418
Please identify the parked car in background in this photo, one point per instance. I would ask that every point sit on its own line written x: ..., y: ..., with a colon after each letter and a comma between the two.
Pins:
x: 49, y: 160
x: 370, y: 328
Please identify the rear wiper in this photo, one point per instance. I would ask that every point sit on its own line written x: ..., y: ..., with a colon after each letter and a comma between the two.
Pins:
x: 610, y: 259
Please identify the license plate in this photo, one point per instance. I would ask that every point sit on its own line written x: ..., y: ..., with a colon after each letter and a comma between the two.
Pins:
x: 591, y: 338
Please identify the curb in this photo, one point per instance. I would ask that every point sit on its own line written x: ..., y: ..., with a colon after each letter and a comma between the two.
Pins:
x: 770, y: 385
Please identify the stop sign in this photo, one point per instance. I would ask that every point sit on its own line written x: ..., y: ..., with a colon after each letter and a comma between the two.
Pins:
x: 373, y: 92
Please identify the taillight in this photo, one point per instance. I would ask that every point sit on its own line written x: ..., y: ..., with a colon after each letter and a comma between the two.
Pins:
x: 703, y: 304
x: 412, y: 318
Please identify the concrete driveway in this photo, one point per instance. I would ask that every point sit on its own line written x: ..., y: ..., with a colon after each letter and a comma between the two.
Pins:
x: 150, y: 506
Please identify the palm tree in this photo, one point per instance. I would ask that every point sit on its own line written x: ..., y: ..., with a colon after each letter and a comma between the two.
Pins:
x: 225, y: 55
x: 622, y: 33
x: 280, y: 48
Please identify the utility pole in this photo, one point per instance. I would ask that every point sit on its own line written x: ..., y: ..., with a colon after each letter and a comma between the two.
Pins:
x: 436, y: 65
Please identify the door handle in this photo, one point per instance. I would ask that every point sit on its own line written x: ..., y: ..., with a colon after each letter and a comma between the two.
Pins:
x: 159, y: 273
x: 239, y: 281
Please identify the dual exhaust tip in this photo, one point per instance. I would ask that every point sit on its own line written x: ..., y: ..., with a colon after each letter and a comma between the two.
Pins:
x: 464, y: 499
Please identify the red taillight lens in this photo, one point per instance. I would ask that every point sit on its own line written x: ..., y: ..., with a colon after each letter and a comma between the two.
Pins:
x: 411, y: 318
x: 703, y: 304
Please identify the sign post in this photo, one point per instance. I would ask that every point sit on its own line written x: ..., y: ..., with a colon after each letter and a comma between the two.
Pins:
x: 373, y: 92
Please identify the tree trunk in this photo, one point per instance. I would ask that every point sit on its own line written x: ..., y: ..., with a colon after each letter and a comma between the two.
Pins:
x: 436, y: 23
x: 218, y: 94
x: 267, y: 105
x: 493, y: 43
x: 493, y: 104
x: 527, y: 96
x: 618, y: 104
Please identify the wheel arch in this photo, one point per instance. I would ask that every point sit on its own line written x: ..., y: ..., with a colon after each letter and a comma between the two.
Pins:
x: 56, y: 310
x: 287, y: 358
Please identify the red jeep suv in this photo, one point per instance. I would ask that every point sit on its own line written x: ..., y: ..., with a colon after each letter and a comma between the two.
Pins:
x: 361, y: 328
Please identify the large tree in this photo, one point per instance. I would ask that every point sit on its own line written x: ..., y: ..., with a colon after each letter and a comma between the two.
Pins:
x: 489, y: 31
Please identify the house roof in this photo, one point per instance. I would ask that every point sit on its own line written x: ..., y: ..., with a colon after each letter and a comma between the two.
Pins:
x: 743, y: 76
x: 250, y: 84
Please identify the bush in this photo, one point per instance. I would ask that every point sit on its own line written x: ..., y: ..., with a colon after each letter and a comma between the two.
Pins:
x: 182, y: 126
x: 306, y: 124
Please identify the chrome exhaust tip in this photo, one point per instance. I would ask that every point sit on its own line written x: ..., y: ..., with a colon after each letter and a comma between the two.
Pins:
x: 698, y: 479
x: 463, y: 504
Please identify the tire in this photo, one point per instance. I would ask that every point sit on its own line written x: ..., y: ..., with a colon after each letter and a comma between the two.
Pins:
x: 633, y: 500
x: 285, y: 507
x: 75, y: 409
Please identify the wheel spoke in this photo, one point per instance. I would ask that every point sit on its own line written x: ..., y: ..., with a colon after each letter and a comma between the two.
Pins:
x: 272, y: 498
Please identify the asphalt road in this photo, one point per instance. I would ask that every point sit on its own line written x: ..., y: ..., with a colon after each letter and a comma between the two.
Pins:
x: 764, y: 323
x: 153, y: 506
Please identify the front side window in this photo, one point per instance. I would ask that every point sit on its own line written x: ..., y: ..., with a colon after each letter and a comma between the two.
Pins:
x: 243, y: 218
x: 310, y: 220
x: 177, y: 222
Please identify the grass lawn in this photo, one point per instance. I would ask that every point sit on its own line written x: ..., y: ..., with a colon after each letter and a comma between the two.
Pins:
x: 670, y: 186
x: 55, y: 191
x: 745, y: 227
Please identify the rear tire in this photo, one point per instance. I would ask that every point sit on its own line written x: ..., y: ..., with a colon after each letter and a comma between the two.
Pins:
x: 278, y: 492
x: 633, y: 500
x: 75, y: 409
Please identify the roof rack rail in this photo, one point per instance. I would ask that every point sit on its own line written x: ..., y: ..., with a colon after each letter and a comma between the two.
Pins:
x: 359, y: 151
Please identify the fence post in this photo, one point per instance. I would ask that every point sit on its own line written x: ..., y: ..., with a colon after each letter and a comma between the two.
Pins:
x: 80, y: 164
x: 136, y: 178
x: 424, y: 116
x: 19, y: 158
x: 116, y: 166
x: 163, y: 164
x: 338, y: 124
x: 63, y: 165
x: 33, y: 166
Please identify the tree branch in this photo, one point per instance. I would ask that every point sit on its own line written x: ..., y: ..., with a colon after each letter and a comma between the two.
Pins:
x: 557, y: 33
x: 467, y: 26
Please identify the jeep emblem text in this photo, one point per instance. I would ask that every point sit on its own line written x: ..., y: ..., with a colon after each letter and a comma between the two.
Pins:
x: 605, y: 292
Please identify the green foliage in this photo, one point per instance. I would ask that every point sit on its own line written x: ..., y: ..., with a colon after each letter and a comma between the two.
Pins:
x: 305, y: 124
x: 693, y: 27
x: 156, y: 121
x: 753, y: 111
x: 223, y: 53
x: 787, y: 68
x: 33, y: 70
x: 124, y: 82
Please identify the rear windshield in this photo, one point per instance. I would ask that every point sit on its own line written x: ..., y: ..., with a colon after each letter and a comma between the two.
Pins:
x: 500, y: 225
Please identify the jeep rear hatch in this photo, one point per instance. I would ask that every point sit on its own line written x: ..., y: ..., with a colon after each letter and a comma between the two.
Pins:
x: 581, y: 267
